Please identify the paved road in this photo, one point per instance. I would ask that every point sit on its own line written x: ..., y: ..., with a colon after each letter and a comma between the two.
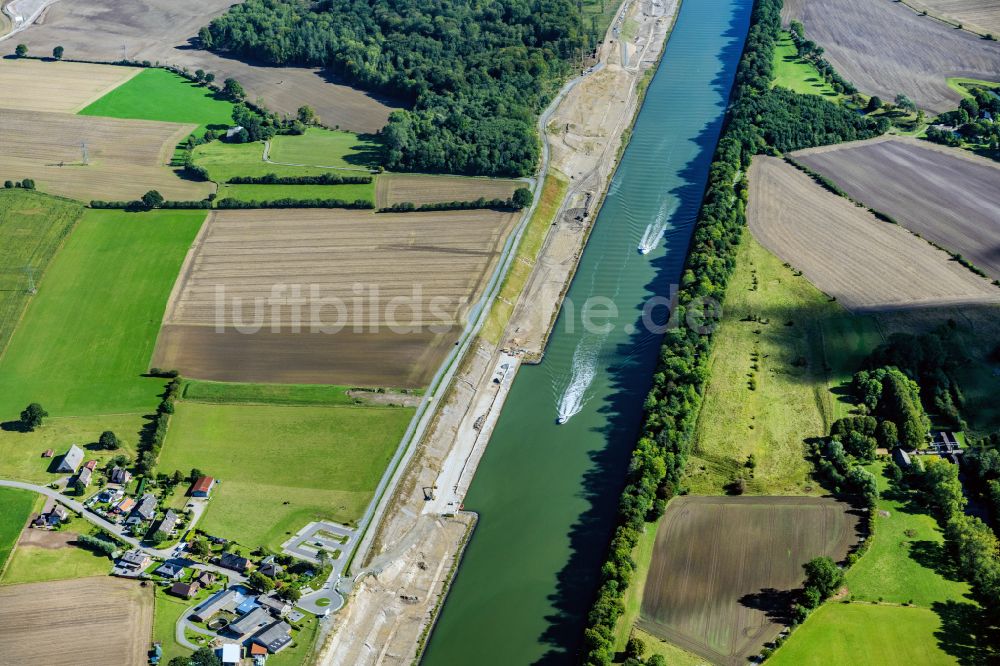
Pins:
x: 159, y: 554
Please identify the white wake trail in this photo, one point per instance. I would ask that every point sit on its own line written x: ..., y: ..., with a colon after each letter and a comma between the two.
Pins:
x: 656, y: 229
x: 574, y: 396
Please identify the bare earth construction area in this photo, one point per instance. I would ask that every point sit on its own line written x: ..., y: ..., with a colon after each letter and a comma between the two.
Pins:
x: 866, y: 264
x: 355, y: 273
x: 722, y: 566
x: 886, y: 48
x: 124, y: 158
x: 162, y: 30
x: 84, y: 622
x: 946, y: 195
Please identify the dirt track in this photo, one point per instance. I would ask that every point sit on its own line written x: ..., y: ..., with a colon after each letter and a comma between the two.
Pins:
x: 81, y: 622
x: 886, y: 48
x: 867, y: 264
x: 126, y: 158
x: 720, y: 565
x: 946, y: 195
x: 160, y: 30
x: 351, y: 268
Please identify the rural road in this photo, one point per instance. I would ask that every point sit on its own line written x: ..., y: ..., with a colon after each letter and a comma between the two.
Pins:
x: 23, y: 13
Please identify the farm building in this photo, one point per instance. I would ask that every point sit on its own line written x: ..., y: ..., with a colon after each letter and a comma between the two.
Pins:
x: 71, y: 461
x: 275, y: 638
x: 252, y: 622
x: 234, y: 562
x: 202, y: 487
x: 230, y: 653
x: 120, y: 476
x: 85, y: 476
x: 184, y: 590
x: 220, y: 601
x: 91, y: 465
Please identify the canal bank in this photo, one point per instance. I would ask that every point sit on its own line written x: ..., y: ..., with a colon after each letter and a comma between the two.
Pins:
x: 547, y: 493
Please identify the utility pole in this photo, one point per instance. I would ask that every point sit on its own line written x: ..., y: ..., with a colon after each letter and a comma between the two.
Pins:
x: 29, y: 270
x: 86, y: 153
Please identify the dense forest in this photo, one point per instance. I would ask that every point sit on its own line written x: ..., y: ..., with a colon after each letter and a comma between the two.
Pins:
x: 477, y: 74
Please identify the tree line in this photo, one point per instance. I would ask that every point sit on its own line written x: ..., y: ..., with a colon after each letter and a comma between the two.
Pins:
x: 322, y: 179
x: 477, y: 74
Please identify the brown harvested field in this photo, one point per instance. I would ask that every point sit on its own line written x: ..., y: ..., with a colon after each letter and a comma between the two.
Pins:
x: 346, y: 276
x: 82, y: 622
x: 885, y: 48
x: 983, y: 16
x: 720, y: 564
x: 946, y: 195
x: 58, y: 86
x: 419, y: 189
x: 126, y: 157
x: 162, y: 30
x: 867, y: 264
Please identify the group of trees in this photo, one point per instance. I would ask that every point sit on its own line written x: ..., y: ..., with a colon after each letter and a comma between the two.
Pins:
x: 970, y: 121
x: 812, y: 52
x: 155, y: 431
x: 97, y: 544
x: 520, y: 199
x: 477, y: 74
x: 21, y: 51
x: 27, y: 184
x: 151, y: 200
x: 322, y: 179
x: 32, y: 415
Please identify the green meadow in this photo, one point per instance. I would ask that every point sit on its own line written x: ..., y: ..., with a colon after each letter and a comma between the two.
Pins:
x: 797, y: 75
x: 17, y: 507
x: 87, y: 336
x: 158, y: 94
x: 282, y: 466
x: 32, y: 227
x: 326, y: 148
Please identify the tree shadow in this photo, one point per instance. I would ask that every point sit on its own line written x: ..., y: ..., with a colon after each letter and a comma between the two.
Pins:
x: 934, y: 556
x: 14, y: 426
x: 965, y: 634
x: 776, y: 604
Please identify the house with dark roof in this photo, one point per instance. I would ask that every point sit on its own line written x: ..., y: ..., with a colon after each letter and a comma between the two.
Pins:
x: 170, y: 569
x: 184, y: 590
x: 206, y: 579
x: 120, y: 475
x: 251, y: 623
x: 146, y: 508
x: 275, y: 638
x: 85, y: 476
x: 277, y: 607
x: 901, y: 457
x: 168, y: 523
x: 234, y: 562
x: 71, y: 460
x: 202, y: 487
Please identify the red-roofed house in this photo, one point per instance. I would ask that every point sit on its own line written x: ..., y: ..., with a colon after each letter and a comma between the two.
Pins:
x: 91, y: 465
x: 202, y: 487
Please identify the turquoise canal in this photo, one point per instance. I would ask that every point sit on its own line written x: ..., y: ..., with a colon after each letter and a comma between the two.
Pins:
x: 547, y: 493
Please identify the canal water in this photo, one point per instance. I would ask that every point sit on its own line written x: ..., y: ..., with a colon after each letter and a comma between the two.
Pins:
x: 547, y: 492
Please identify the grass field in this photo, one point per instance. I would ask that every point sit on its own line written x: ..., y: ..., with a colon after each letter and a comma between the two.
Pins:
x: 33, y: 564
x: 156, y: 94
x: 797, y: 75
x: 17, y: 507
x: 20, y: 452
x: 32, y: 226
x: 228, y: 160
x: 553, y: 191
x: 290, y: 464
x: 906, y: 562
x: 808, y: 347
x: 326, y: 148
x: 166, y: 611
x: 850, y: 634
x: 111, y: 280
x: 274, y: 394
x: 348, y: 193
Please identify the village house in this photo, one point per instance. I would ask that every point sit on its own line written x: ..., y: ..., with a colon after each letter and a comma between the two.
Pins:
x: 234, y: 562
x: 132, y: 563
x: 52, y: 515
x: 277, y: 607
x: 146, y: 508
x: 168, y: 523
x: 170, y: 569
x: 275, y: 638
x: 120, y: 476
x: 206, y: 579
x: 184, y: 590
x: 71, y: 461
x: 84, y: 476
x: 126, y: 505
x: 91, y: 465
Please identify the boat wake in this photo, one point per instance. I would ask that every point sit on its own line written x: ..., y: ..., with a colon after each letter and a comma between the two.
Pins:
x: 656, y: 229
x: 574, y: 395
